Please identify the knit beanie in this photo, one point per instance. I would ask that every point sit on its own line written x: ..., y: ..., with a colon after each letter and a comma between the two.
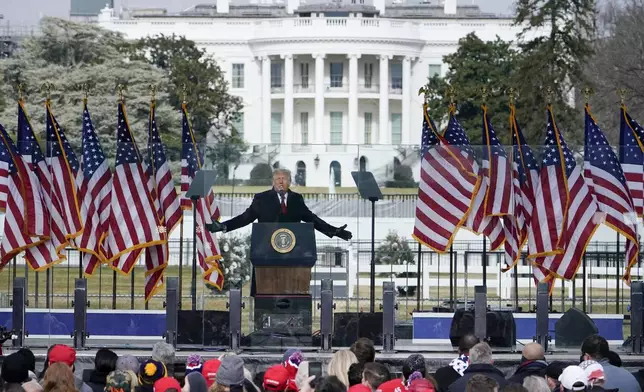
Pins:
x: 194, y: 363
x: 151, y: 371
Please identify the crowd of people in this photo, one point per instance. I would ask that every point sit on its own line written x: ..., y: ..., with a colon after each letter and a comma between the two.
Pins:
x: 353, y: 370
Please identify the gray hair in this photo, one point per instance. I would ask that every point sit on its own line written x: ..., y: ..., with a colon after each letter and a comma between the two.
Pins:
x: 163, y: 352
x: 481, y: 353
x: 280, y: 170
x: 536, y: 384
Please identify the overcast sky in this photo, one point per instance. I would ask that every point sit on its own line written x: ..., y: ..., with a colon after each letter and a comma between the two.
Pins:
x: 28, y: 12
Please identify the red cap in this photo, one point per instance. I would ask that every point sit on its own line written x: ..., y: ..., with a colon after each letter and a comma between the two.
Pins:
x: 165, y: 383
x: 209, y: 371
x: 421, y: 385
x: 392, y: 385
x: 276, y: 378
x: 62, y: 353
x: 359, y: 388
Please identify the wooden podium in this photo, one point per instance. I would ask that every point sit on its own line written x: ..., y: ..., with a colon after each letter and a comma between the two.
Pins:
x: 283, y: 280
x: 283, y: 255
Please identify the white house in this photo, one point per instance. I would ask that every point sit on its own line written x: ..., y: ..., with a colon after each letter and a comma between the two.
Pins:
x: 330, y: 85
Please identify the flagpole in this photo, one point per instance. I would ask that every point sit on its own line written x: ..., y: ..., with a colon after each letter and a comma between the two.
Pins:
x: 180, y: 260
x: 484, y: 261
x: 617, y: 272
x: 418, y: 272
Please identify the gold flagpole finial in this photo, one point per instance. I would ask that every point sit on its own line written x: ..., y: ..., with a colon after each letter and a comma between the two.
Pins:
x: 121, y: 91
x: 512, y: 95
x: 485, y: 92
x: 184, y: 94
x: 85, y: 90
x: 153, y: 93
x: 621, y: 92
x: 47, y: 86
x: 424, y: 91
x: 548, y: 94
x: 451, y: 95
x: 588, y: 92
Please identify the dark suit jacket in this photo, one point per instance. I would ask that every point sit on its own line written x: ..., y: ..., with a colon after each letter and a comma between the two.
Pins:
x: 266, y: 208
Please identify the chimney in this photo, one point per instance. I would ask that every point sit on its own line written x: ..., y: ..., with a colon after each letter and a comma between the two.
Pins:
x: 450, y: 7
x: 380, y: 6
x: 223, y: 6
x: 291, y: 5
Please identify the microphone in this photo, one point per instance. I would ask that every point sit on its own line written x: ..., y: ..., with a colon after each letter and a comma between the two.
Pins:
x: 282, y: 193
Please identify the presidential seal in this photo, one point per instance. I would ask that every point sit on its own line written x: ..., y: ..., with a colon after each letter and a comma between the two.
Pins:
x: 283, y: 240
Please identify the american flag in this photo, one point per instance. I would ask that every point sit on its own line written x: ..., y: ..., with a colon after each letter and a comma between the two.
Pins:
x: 207, y: 210
x: 94, y: 193
x: 580, y: 211
x: 17, y: 214
x: 546, y: 233
x: 524, y: 179
x: 63, y: 166
x: 631, y: 156
x: 477, y: 221
x: 609, y: 187
x: 133, y: 223
x: 497, y: 172
x: 40, y: 225
x: 44, y: 255
x: 166, y: 202
x: 445, y: 191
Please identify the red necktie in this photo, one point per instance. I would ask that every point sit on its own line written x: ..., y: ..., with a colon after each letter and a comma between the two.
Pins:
x: 283, y: 204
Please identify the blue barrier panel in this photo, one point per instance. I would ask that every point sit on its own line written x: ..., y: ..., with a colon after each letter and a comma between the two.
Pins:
x: 99, y: 322
x: 435, y: 327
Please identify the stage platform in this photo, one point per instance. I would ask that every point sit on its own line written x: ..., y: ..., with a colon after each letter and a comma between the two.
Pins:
x: 258, y: 359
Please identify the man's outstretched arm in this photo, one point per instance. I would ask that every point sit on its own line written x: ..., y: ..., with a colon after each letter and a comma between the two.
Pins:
x: 323, y: 227
x: 245, y: 218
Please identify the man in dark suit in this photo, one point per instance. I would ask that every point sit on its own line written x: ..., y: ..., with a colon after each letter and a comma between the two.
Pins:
x: 279, y: 204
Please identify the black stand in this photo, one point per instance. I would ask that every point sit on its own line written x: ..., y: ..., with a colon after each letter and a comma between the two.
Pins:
x: 637, y: 323
x: 199, y: 188
x: 80, y: 304
x: 542, y: 337
x: 369, y: 190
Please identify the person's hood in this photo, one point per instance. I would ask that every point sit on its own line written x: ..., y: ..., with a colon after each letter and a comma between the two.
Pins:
x: 97, y: 377
x: 460, y: 364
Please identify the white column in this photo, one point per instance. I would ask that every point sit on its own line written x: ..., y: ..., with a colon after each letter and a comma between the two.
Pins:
x: 383, y: 125
x: 406, y: 99
x: 288, y: 99
x: 319, y: 98
x: 266, y: 99
x: 353, y: 98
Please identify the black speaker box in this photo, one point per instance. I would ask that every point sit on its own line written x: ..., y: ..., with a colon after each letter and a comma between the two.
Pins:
x: 282, y: 336
x: 279, y: 311
x: 207, y: 328
x: 572, y: 328
x: 501, y: 329
x: 349, y: 327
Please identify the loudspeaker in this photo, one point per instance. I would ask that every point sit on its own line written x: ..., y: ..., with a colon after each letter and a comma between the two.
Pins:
x: 282, y: 336
x: 349, y: 327
x: 500, y: 326
x: 572, y: 328
x: 208, y: 328
x: 279, y: 311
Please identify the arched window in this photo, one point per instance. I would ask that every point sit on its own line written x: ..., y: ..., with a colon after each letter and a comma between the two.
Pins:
x: 300, y: 173
x: 363, y: 163
x: 335, y: 173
